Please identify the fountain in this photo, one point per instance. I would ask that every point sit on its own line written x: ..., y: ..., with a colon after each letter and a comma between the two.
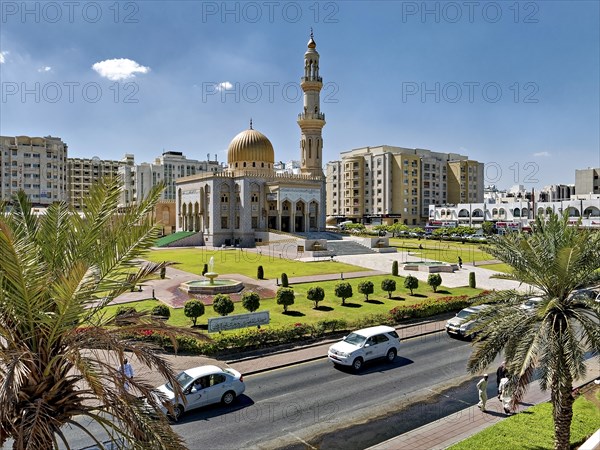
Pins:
x: 212, y: 286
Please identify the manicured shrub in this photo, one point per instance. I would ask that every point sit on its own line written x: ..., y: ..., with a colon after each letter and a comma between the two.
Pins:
x: 285, y: 297
x: 260, y: 273
x: 389, y: 286
x: 251, y: 301
x: 430, y: 308
x: 343, y: 290
x: 204, y: 269
x: 222, y: 304
x: 161, y: 311
x: 315, y: 294
x: 434, y: 280
x: 193, y: 309
x: 472, y: 283
x: 163, y: 273
x: 395, y: 268
x: 284, y: 280
x: 124, y: 315
x: 411, y: 283
x: 366, y: 288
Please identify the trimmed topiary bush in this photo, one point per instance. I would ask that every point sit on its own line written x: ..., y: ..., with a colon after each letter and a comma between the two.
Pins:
x: 366, y: 288
x: 222, y: 304
x: 284, y: 280
x: 193, y: 309
x: 260, y: 273
x: 204, y: 269
x: 411, y: 283
x: 395, y: 268
x: 315, y: 294
x: 251, y: 301
x: 285, y: 297
x: 123, y: 315
x: 161, y: 311
x: 434, y: 280
x: 163, y: 273
x: 389, y: 286
x: 343, y: 291
x: 472, y: 283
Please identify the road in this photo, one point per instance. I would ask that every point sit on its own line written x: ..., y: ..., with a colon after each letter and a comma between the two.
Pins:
x: 307, y: 402
x: 313, y: 404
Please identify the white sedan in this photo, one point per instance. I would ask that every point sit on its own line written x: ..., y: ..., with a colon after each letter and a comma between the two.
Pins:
x: 203, y: 386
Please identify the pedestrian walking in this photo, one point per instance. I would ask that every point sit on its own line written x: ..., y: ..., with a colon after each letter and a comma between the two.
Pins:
x: 127, y: 371
x: 459, y: 262
x: 506, y: 393
x: 501, y: 372
x: 482, y: 390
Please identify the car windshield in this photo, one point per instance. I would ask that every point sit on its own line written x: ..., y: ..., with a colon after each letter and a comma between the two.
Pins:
x: 183, y: 379
x: 355, y: 339
x: 464, y: 314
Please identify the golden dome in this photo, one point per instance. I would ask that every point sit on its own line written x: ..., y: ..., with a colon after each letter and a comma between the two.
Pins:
x: 250, y: 146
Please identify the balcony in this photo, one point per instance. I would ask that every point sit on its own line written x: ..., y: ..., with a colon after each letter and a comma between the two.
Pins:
x: 309, y: 116
x: 313, y: 78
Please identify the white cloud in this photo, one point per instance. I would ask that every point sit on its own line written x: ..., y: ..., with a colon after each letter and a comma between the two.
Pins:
x: 2, y: 57
x: 119, y: 69
x: 542, y: 154
x: 225, y: 85
x: 45, y: 69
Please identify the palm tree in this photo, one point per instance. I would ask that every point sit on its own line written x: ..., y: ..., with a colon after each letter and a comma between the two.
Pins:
x: 59, y: 351
x: 555, y: 260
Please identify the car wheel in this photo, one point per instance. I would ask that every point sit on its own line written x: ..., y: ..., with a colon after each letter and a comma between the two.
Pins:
x: 228, y: 398
x: 357, y: 364
x: 177, y: 412
x: 391, y: 354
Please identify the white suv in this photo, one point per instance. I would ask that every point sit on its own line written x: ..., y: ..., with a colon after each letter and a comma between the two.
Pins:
x: 463, y: 322
x: 364, y: 345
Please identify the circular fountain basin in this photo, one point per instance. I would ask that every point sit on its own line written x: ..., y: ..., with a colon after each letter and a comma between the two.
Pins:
x: 212, y: 287
x: 430, y: 266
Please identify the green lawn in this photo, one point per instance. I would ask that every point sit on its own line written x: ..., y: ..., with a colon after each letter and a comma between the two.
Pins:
x: 534, y: 429
x: 446, y: 251
x: 246, y: 263
x: 331, y: 308
x: 497, y: 267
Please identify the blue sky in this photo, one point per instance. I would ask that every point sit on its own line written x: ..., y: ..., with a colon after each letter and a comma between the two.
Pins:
x: 512, y: 84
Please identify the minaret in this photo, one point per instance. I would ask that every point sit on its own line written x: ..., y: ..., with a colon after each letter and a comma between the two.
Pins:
x: 311, y: 121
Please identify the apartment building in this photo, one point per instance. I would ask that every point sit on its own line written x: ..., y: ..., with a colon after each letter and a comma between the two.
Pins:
x: 37, y: 165
x: 141, y: 178
x: 388, y: 184
x: 587, y: 181
x: 83, y: 173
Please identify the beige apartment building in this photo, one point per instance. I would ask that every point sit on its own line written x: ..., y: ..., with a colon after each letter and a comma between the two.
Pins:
x: 82, y: 173
x: 388, y: 184
x: 587, y: 181
x: 35, y: 164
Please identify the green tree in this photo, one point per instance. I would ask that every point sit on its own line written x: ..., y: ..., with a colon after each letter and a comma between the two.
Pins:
x: 161, y: 311
x: 59, y: 271
x: 251, y: 301
x: 395, y: 268
x: 222, y: 304
x: 488, y: 228
x: 434, y: 280
x: 343, y: 290
x: 411, y: 283
x: 315, y: 294
x: 366, y: 288
x: 285, y: 297
x: 193, y: 309
x: 284, y: 280
x: 388, y: 285
x: 555, y: 260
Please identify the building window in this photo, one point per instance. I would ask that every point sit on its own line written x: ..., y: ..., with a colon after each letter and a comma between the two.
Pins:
x: 224, y: 222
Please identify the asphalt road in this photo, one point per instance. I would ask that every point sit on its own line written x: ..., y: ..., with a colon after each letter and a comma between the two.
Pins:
x: 309, y: 404
x: 314, y: 405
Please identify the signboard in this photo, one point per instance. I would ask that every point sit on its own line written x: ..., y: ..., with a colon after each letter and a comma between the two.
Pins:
x: 216, y: 324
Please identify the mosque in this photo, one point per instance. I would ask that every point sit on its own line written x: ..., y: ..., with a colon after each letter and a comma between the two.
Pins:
x: 240, y: 205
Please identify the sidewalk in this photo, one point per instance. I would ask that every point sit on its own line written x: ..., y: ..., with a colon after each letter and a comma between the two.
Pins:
x: 456, y: 427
